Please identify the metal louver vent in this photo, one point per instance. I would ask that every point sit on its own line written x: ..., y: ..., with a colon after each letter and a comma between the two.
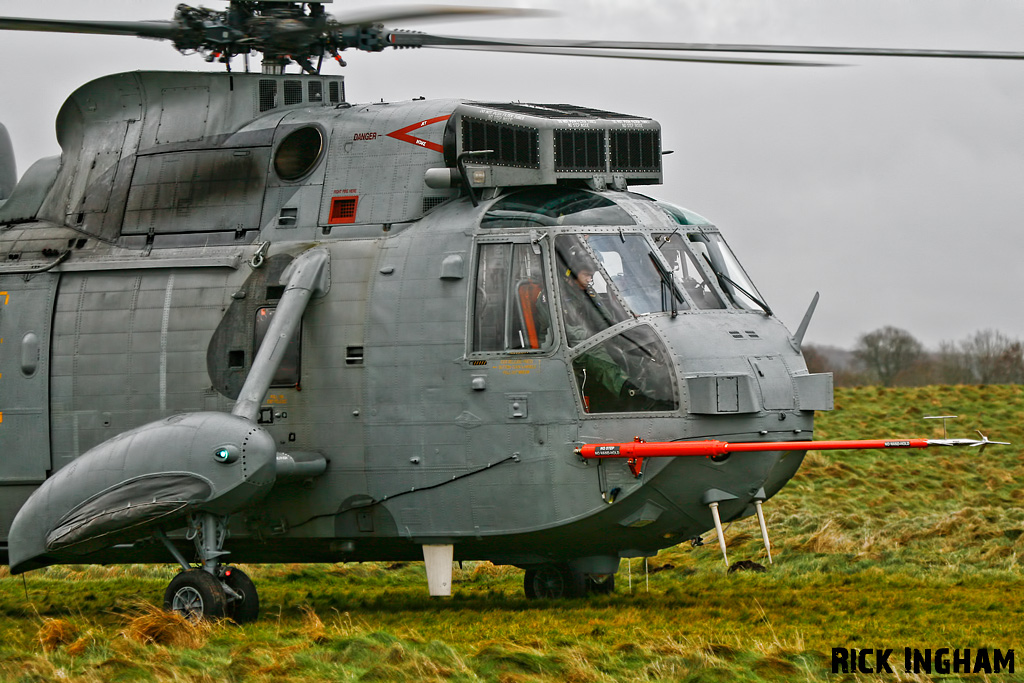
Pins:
x: 635, y: 150
x: 292, y: 92
x: 516, y: 146
x: 580, y: 150
x: 334, y: 90
x: 316, y: 91
x: 268, y: 94
x: 545, y: 144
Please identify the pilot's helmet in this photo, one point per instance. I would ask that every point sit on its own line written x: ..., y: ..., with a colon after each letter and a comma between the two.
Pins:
x: 577, y: 260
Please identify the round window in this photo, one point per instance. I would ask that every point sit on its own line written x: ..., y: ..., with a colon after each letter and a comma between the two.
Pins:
x: 298, y: 153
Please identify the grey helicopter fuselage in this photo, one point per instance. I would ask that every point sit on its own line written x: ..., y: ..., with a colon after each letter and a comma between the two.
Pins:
x: 438, y: 386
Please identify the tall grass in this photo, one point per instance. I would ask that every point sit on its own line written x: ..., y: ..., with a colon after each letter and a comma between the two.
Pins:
x: 872, y: 549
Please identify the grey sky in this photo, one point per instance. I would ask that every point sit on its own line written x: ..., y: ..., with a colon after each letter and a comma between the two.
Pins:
x: 892, y: 186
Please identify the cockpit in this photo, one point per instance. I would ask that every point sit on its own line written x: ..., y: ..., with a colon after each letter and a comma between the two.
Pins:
x: 601, y: 265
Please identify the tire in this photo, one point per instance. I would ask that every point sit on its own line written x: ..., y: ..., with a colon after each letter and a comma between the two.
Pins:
x: 195, y: 594
x: 247, y: 609
x: 553, y: 582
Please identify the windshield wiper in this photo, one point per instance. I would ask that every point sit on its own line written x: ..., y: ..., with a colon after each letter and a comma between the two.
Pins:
x: 722, y: 277
x: 667, y: 283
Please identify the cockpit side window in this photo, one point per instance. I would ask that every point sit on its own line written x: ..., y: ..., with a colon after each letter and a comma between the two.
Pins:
x: 511, y: 311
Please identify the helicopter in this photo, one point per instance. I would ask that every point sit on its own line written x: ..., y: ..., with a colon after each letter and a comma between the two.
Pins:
x: 246, y: 320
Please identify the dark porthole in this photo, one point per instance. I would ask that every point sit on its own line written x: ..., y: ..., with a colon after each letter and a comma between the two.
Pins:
x: 298, y: 153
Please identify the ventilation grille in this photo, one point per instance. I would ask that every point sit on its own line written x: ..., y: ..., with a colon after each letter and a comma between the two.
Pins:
x: 580, y: 150
x: 316, y: 91
x: 430, y: 202
x: 292, y: 92
x: 635, y: 150
x: 334, y: 90
x: 343, y: 210
x: 515, y: 146
x: 268, y: 94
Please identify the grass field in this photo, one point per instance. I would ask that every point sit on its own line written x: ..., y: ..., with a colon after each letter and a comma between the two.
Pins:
x: 919, y: 549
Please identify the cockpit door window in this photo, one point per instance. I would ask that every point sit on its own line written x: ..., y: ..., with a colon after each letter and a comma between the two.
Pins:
x: 511, y: 310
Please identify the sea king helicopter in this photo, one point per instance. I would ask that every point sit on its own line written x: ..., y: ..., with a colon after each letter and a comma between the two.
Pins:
x: 244, y: 319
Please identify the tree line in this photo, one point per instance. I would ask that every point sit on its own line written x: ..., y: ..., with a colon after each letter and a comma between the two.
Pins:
x: 891, y: 356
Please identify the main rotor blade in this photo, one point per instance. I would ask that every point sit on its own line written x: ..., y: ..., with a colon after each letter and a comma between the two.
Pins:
x: 426, y: 40
x: 426, y: 13
x: 145, y: 29
x: 621, y: 54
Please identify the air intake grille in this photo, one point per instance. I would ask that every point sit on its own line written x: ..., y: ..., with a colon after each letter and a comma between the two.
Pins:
x: 516, y: 146
x: 636, y: 150
x: 292, y: 92
x: 430, y: 202
x: 268, y: 94
x: 334, y: 90
x: 580, y: 150
x: 316, y: 91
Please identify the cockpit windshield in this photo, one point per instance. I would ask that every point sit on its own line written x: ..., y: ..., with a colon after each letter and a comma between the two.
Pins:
x: 712, y: 249
x: 552, y: 206
x: 690, y: 273
x: 682, y: 216
x: 609, y: 278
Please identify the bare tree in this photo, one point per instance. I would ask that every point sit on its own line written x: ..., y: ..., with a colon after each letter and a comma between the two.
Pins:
x: 889, y: 353
x: 986, y: 357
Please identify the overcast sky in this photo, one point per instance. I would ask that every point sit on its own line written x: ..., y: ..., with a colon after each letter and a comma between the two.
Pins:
x: 895, y: 187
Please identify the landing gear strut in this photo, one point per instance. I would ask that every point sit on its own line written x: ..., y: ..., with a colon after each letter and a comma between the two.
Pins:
x: 214, y: 590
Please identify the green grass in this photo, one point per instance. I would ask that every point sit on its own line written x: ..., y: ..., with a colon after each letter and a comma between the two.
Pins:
x: 872, y: 549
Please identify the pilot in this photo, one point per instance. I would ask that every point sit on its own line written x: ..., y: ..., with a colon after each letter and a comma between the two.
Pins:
x: 604, y: 384
x: 583, y: 311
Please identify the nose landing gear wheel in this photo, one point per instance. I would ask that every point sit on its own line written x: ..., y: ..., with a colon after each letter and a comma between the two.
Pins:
x: 195, y: 594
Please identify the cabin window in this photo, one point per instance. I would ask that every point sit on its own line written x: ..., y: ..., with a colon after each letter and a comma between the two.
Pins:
x: 631, y: 372
x: 299, y: 153
x: 511, y: 310
x: 551, y: 206
x: 288, y: 372
x: 688, y: 272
